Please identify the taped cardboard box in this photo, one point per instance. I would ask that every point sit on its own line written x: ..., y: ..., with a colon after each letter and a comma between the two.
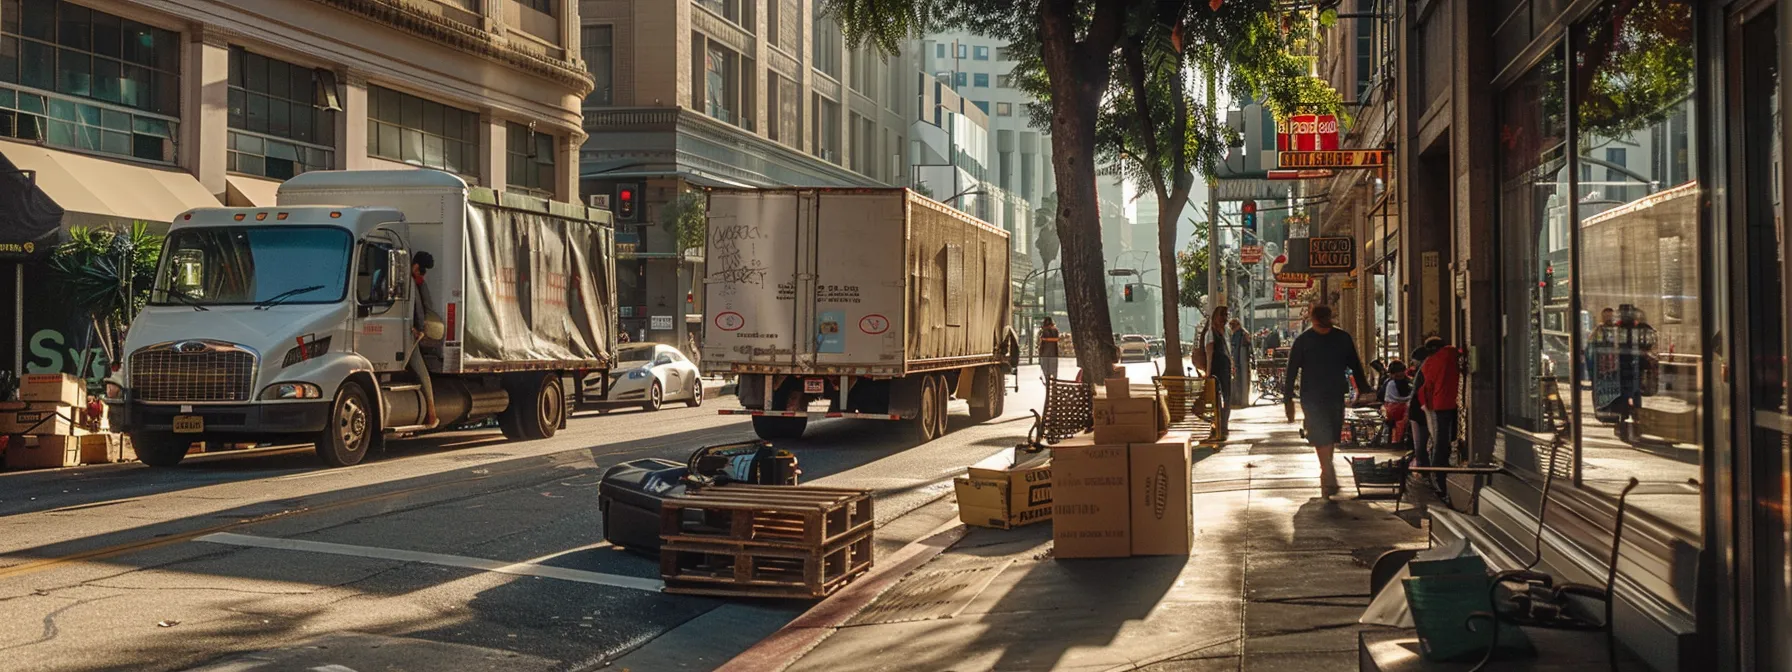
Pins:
x: 1162, y: 496
x: 43, y: 452
x: 1137, y: 420
x: 1090, y: 496
x: 1005, y: 491
x: 56, y: 388
x: 42, y: 420
x: 102, y: 448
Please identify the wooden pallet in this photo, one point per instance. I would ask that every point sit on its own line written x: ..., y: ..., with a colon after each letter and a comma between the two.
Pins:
x: 743, y: 569
x: 798, y: 517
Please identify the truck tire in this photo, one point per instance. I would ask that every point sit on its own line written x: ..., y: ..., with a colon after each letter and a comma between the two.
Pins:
x: 773, y: 428
x: 536, y: 407
x: 349, y: 432
x: 927, y: 424
x: 161, y: 450
x: 990, y: 391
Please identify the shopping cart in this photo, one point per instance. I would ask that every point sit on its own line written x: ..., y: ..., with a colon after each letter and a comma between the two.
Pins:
x: 1269, y: 378
x: 1190, y: 401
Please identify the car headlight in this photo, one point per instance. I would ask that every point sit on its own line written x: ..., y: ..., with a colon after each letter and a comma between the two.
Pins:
x: 639, y: 374
x: 291, y: 391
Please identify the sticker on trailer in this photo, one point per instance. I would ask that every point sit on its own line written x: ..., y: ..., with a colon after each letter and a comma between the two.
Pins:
x: 828, y: 336
x: 730, y: 321
x: 874, y: 324
x: 814, y: 386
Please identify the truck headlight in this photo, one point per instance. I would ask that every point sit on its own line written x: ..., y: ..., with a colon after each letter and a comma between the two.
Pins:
x: 291, y: 391
x: 638, y: 374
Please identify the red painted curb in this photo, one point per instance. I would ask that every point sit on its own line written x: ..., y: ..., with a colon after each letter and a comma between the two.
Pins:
x: 791, y: 642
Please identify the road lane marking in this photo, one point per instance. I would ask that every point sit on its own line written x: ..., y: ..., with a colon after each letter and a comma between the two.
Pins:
x: 461, y: 561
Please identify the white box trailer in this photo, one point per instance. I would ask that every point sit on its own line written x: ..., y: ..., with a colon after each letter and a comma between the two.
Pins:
x: 881, y: 302
x: 295, y: 322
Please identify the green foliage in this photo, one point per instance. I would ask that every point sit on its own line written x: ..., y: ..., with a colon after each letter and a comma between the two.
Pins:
x: 1191, y: 267
x: 1045, y: 229
x: 687, y: 219
x: 1635, y: 66
x: 107, y: 274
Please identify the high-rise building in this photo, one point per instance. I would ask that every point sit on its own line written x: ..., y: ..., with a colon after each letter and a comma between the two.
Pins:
x: 725, y: 93
x: 122, y: 111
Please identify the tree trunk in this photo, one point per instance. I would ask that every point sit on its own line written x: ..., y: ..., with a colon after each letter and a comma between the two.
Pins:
x: 1167, y: 214
x: 1077, y: 84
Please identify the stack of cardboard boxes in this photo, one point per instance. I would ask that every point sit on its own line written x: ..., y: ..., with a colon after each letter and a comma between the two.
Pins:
x: 1125, y: 489
x: 51, y: 427
x: 1007, y: 490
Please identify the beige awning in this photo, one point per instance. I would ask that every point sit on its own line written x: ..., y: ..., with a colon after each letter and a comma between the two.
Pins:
x: 87, y: 185
x: 250, y: 192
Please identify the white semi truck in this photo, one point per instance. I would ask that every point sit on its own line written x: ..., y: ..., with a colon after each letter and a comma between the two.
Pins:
x: 882, y: 303
x: 295, y: 322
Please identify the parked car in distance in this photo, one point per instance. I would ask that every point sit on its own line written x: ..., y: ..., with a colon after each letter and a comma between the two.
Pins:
x: 1157, y: 347
x: 651, y: 374
x: 1135, y: 348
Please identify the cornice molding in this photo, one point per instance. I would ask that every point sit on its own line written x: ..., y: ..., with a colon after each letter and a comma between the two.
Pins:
x: 400, y: 15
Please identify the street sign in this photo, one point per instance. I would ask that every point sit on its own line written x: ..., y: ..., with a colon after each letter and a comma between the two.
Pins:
x: 1307, y: 133
x: 1309, y: 174
x: 1250, y: 254
x: 1331, y: 254
x: 1294, y: 280
x: 659, y: 322
x: 1346, y: 158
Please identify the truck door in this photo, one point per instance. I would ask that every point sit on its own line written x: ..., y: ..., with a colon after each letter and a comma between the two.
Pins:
x: 383, y: 302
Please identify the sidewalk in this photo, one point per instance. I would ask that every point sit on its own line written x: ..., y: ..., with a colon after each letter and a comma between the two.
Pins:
x: 1277, y: 580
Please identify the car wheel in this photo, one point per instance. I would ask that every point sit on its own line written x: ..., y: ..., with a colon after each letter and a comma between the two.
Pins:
x: 655, y: 397
x: 696, y: 393
x: 345, y: 439
x: 161, y: 450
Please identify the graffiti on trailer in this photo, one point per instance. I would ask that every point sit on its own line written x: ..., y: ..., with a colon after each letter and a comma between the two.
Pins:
x: 729, y: 256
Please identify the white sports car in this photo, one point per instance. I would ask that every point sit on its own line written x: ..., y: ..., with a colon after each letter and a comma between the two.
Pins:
x: 1135, y: 348
x: 651, y: 374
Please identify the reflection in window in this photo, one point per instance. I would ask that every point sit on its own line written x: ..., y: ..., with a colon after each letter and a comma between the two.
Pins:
x: 1641, y: 366
x: 282, y: 120
x: 92, y: 81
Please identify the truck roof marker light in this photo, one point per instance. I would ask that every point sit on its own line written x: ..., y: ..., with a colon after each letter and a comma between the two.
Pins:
x: 261, y: 216
x: 335, y: 215
x: 239, y: 216
x: 187, y: 217
x: 281, y: 216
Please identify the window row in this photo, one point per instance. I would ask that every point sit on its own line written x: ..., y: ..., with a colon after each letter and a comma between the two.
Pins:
x: 64, y: 122
x: 529, y: 159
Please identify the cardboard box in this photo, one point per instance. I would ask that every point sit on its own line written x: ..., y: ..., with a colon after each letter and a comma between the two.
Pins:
x: 1162, y: 496
x: 1120, y: 421
x: 43, y: 452
x: 41, y: 420
x: 1002, y: 493
x: 58, y: 388
x: 101, y: 448
x: 1119, y: 388
x: 1090, y: 497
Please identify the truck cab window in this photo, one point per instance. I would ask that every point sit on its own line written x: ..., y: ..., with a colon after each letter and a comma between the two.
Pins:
x: 370, y: 278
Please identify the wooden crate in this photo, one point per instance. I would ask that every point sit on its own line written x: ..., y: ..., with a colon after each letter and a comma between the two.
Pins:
x: 732, y: 568
x: 800, y: 517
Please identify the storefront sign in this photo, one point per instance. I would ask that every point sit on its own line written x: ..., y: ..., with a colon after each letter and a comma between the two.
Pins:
x: 660, y: 322
x: 1309, y: 174
x: 1331, y: 254
x: 1250, y: 255
x: 1294, y: 280
x: 1307, y: 133
x: 1348, y: 158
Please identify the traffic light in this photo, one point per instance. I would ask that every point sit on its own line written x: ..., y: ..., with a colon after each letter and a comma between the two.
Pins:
x: 1250, y: 215
x: 1129, y: 292
x: 625, y: 202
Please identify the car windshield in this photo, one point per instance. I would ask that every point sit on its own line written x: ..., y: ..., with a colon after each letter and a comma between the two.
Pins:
x: 241, y: 265
x: 1132, y: 339
x: 640, y: 353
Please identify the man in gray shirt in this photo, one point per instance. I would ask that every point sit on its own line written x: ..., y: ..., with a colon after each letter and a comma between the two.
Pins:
x: 1325, y: 355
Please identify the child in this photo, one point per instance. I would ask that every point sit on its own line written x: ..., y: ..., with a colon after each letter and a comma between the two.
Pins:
x: 1395, y: 398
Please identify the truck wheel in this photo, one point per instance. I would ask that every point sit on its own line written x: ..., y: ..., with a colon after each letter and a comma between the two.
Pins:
x: 161, y: 450
x: 926, y: 424
x: 350, y: 429
x: 696, y: 394
x: 990, y: 392
x: 536, y: 407
x: 655, y: 398
x: 773, y: 428
x: 943, y: 397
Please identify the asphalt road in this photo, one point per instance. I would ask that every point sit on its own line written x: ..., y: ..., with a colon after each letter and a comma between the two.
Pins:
x: 459, y: 551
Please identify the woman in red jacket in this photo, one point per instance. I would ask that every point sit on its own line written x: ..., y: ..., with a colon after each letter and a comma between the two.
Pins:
x: 1440, y: 377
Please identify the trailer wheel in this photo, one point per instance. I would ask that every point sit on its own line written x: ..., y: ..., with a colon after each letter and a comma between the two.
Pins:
x: 773, y: 428
x: 536, y: 407
x: 989, y: 388
x: 927, y: 424
x: 161, y: 450
x: 349, y: 433
x: 941, y: 399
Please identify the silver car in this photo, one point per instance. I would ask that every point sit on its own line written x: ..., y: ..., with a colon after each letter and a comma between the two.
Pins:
x: 651, y: 374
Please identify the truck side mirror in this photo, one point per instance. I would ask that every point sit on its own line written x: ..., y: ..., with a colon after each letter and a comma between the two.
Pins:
x: 398, y: 275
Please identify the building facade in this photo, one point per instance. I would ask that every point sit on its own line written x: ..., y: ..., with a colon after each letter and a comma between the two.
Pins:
x: 128, y: 110
x: 691, y: 94
x: 1595, y: 207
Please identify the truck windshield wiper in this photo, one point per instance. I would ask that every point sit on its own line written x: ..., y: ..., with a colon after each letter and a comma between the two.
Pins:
x: 277, y: 299
x: 184, y: 298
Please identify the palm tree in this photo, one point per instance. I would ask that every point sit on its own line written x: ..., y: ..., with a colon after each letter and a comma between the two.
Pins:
x: 106, y: 275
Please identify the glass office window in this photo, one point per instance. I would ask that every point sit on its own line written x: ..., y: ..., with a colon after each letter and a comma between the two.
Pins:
x: 529, y: 160
x: 403, y: 127
x: 597, y: 45
x: 83, y: 79
x: 282, y: 116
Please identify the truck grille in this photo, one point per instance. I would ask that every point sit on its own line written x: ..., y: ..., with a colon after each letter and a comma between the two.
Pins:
x: 192, y: 371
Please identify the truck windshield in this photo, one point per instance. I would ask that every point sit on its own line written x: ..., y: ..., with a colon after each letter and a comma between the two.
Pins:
x: 243, y: 265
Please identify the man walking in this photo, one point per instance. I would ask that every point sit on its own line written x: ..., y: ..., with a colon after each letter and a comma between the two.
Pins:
x: 1048, y: 348
x: 1437, y: 393
x: 1324, y: 354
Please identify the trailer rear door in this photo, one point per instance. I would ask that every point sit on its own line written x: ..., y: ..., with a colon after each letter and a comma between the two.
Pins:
x: 859, y: 321
x: 757, y: 267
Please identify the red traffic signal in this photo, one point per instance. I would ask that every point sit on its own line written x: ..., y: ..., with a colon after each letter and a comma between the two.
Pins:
x: 1249, y: 211
x: 1129, y: 293
x: 625, y: 202
x: 1250, y: 207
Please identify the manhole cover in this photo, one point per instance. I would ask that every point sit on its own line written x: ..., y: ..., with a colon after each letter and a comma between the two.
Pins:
x: 930, y: 596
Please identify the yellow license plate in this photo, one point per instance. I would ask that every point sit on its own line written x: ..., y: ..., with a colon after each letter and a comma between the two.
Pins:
x: 189, y: 424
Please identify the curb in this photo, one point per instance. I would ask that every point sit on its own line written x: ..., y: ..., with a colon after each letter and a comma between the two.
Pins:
x: 797, y: 638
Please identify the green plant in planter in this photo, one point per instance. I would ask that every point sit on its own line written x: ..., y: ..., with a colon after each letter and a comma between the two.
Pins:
x: 106, y: 275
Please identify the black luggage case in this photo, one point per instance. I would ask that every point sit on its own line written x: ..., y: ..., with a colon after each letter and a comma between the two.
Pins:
x: 629, y: 497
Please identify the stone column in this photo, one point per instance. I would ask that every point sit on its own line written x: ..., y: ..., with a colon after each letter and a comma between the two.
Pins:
x: 491, y: 151
x: 351, y: 122
x: 205, y: 112
x: 566, y: 168
x: 1473, y: 152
